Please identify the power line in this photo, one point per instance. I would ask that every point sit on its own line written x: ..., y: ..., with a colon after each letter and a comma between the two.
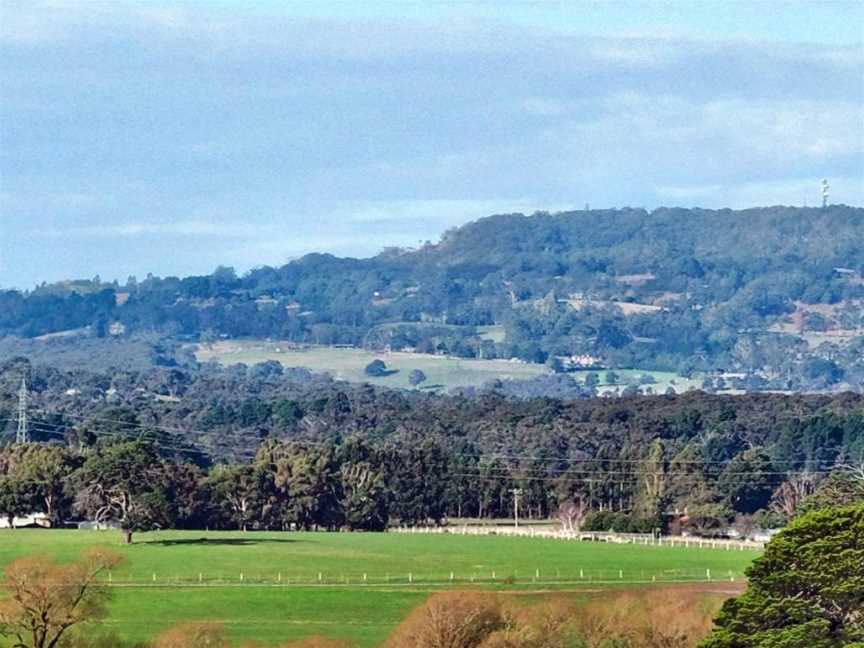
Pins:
x: 148, y: 426
x: 612, y: 462
x: 517, y: 475
x: 140, y: 426
x: 54, y: 430
x: 620, y: 477
x: 514, y: 474
x: 550, y: 459
x: 489, y: 456
x: 478, y: 455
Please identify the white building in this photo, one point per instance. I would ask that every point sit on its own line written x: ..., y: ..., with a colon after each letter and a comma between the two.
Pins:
x: 31, y: 520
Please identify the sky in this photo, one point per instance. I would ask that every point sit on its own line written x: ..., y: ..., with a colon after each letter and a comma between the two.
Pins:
x: 169, y: 138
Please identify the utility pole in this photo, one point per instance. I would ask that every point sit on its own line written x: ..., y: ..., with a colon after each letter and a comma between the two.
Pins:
x: 21, y: 436
x: 517, y: 493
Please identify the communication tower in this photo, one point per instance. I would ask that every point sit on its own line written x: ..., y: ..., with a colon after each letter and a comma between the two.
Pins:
x: 825, y: 188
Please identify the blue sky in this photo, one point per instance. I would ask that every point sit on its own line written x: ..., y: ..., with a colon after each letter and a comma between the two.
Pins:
x: 174, y: 137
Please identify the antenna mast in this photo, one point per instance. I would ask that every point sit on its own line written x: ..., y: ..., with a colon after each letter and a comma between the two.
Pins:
x: 22, y: 436
x: 824, y: 193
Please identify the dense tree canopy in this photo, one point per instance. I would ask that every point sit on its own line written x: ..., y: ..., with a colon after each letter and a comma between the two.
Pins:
x: 806, y: 591
x: 259, y: 447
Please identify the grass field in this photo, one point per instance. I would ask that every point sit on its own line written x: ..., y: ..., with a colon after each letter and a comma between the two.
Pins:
x: 441, y: 372
x: 198, y: 575
x: 663, y: 380
x: 348, y: 364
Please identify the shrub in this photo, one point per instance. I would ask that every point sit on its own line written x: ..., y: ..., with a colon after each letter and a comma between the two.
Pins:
x: 546, y: 625
x: 451, y: 620
x: 376, y: 369
x: 44, y: 601
x: 665, y: 618
x: 675, y: 617
x: 619, y: 522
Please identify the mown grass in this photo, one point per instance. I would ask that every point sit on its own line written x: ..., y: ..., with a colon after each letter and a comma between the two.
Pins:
x: 268, y: 608
x: 265, y: 614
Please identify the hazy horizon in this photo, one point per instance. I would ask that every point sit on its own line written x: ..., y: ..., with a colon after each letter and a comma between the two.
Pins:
x: 383, y: 248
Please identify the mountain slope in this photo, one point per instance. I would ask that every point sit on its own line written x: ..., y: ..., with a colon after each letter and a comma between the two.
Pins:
x: 776, y: 293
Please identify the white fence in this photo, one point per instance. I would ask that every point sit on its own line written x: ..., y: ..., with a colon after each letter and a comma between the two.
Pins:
x: 591, y: 536
x: 465, y: 576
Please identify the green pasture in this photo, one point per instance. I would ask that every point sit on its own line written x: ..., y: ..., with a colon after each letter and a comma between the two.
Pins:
x: 276, y: 587
x: 663, y: 380
x: 441, y: 372
x: 348, y: 364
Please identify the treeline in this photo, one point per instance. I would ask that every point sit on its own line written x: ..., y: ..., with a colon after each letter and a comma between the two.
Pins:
x: 357, y: 486
x: 287, y: 486
x: 713, y: 283
x: 309, y: 452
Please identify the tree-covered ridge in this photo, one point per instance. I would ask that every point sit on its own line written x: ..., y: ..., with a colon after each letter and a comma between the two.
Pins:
x: 634, y: 461
x: 776, y: 292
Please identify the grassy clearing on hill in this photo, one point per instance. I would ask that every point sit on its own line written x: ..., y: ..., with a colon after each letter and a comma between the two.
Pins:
x: 264, y: 608
x: 441, y: 372
x: 663, y: 380
x: 348, y: 364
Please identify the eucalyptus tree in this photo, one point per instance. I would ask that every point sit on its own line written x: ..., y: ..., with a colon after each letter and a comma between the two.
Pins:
x: 125, y: 483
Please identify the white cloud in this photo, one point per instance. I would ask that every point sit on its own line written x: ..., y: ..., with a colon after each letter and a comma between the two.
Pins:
x: 270, y: 134
x: 637, y: 52
x: 811, y: 128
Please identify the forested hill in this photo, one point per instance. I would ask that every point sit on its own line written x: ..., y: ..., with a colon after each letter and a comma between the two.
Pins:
x: 776, y: 294
x: 667, y: 242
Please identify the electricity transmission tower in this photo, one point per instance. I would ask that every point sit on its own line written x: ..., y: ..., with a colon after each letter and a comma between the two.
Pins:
x: 21, y: 436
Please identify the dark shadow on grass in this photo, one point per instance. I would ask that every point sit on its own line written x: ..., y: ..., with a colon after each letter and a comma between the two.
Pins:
x: 383, y: 373
x: 236, y: 542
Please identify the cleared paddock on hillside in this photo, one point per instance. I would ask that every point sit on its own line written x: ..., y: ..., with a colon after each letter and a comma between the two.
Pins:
x: 349, y: 363
x: 442, y: 372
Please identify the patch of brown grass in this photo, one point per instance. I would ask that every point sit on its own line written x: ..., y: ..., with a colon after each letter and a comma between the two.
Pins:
x: 208, y: 634
x: 193, y: 634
